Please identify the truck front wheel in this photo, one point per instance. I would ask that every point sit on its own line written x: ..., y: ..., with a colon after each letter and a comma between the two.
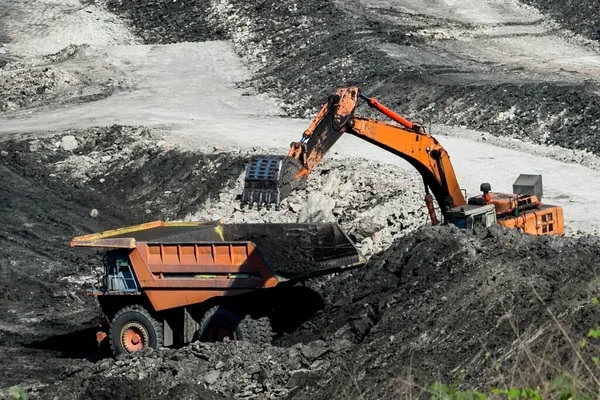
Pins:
x: 219, y: 323
x: 133, y: 329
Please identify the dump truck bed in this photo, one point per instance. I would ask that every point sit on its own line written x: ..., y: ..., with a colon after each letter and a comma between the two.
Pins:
x: 291, y: 251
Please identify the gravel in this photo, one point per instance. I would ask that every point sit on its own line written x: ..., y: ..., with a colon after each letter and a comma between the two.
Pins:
x: 50, y: 81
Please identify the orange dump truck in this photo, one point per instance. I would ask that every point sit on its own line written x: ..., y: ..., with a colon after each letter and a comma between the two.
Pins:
x: 170, y: 283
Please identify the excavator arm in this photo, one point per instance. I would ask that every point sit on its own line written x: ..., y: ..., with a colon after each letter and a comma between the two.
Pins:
x: 270, y: 179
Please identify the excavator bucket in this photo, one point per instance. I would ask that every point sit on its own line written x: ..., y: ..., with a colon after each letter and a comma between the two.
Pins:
x: 269, y: 179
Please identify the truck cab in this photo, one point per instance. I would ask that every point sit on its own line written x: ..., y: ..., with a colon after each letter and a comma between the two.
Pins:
x: 118, y: 274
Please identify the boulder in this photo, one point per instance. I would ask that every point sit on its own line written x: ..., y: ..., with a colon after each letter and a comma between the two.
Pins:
x: 69, y: 143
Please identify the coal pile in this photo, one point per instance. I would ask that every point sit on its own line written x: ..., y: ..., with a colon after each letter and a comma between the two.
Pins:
x: 444, y: 305
x: 168, y: 21
x: 229, y: 369
x: 299, y: 251
x: 439, y: 305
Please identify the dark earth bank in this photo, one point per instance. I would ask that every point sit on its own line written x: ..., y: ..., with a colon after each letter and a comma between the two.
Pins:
x: 475, y: 309
x: 580, y: 16
x: 303, y: 50
x: 46, y: 200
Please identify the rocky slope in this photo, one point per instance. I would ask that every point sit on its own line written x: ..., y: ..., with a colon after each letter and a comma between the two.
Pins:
x: 579, y: 16
x: 301, y: 51
x: 54, y: 80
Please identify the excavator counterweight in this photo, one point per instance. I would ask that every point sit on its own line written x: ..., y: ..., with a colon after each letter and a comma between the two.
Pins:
x: 269, y: 179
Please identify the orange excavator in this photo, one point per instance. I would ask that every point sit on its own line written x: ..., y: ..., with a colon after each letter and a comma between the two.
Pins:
x: 269, y: 179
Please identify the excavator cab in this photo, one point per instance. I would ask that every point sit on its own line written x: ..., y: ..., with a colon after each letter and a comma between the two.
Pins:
x: 522, y: 209
x: 468, y: 217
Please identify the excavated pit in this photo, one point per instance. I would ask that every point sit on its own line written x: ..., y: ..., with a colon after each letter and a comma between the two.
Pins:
x: 50, y: 195
x: 432, y: 304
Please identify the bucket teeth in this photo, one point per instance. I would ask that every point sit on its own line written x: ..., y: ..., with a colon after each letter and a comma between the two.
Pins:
x: 270, y: 179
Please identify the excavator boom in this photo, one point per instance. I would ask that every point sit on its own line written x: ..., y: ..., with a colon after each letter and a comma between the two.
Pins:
x: 269, y: 179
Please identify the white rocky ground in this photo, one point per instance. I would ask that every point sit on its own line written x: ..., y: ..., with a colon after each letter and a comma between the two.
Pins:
x: 57, y: 79
x: 375, y: 202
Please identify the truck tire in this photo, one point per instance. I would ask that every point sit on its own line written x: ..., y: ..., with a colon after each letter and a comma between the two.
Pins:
x: 219, y: 323
x: 263, y: 331
x: 133, y: 329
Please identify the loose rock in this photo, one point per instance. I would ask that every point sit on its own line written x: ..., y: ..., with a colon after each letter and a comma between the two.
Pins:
x: 69, y: 143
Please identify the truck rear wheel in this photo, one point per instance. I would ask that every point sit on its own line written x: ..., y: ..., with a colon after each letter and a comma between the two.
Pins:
x: 133, y: 329
x: 219, y: 323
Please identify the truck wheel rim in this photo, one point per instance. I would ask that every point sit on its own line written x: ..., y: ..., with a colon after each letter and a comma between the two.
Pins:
x: 134, y: 337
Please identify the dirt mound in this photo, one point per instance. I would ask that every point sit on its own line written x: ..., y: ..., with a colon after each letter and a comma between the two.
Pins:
x: 580, y: 16
x: 444, y: 305
x: 302, y: 50
x: 53, y: 81
x: 234, y: 369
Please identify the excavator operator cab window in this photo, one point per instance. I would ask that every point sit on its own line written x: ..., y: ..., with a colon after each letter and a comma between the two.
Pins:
x: 484, y: 218
x: 461, y: 223
x: 479, y: 220
x: 547, y: 225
